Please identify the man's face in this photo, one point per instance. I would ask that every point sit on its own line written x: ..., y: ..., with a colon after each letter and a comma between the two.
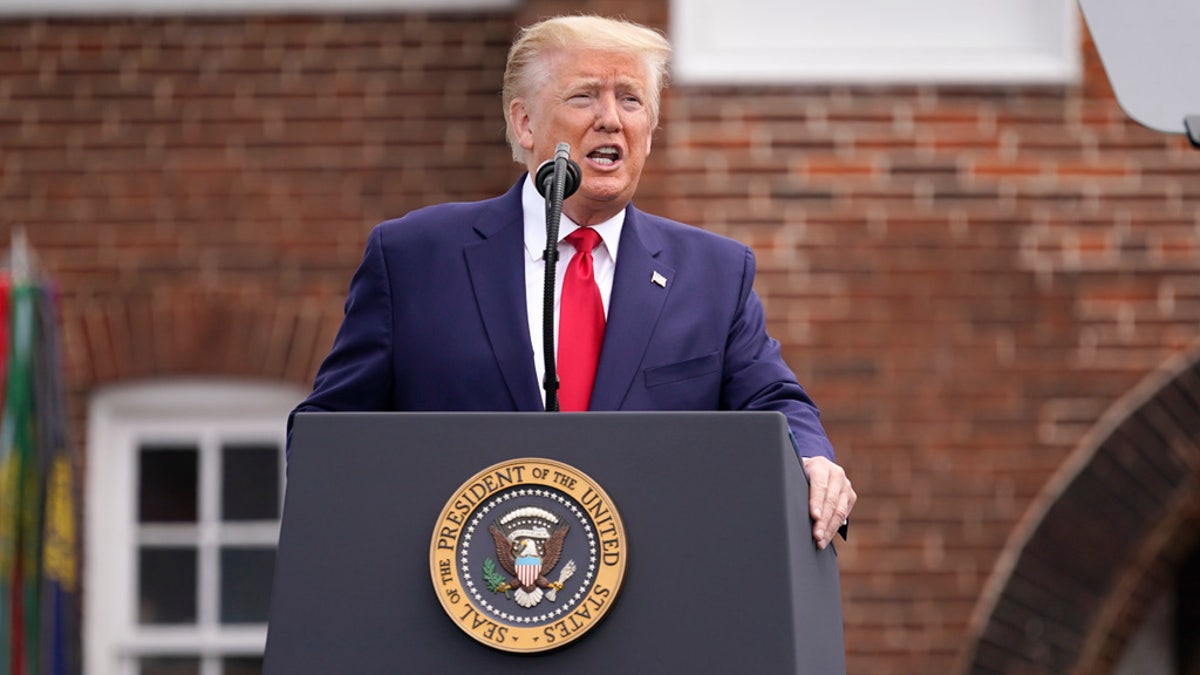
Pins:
x: 596, y: 101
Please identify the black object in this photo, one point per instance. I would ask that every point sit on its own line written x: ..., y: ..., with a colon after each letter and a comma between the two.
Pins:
x: 545, y: 178
x: 722, y: 575
x: 556, y: 179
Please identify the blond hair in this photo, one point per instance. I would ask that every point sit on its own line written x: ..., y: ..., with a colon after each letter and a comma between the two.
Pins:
x: 527, y: 67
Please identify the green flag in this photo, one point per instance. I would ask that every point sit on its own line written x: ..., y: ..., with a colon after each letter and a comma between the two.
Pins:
x: 20, y: 495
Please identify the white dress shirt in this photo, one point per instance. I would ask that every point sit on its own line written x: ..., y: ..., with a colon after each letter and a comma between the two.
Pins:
x: 604, y: 262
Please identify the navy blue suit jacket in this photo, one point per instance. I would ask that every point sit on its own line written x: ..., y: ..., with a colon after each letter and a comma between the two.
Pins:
x: 436, y: 321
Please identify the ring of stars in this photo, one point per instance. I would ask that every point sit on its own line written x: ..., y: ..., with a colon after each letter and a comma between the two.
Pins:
x: 588, y: 570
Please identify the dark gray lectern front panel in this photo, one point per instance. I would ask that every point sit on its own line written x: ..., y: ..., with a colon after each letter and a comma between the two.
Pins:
x: 722, y: 575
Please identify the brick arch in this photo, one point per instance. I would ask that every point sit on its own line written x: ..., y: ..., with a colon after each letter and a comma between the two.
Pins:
x: 243, y: 333
x: 1071, y: 584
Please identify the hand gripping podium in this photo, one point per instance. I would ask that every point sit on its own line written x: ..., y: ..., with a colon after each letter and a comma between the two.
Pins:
x: 721, y: 573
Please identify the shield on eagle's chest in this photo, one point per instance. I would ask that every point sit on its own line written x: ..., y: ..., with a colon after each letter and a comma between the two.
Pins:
x: 528, y: 570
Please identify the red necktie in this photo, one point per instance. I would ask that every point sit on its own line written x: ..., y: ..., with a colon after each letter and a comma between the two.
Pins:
x: 580, y: 325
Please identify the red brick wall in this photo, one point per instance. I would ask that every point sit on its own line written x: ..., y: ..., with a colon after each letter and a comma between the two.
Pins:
x: 965, y: 277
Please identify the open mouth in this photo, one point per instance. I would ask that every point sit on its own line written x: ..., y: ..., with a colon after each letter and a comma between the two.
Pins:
x: 605, y: 155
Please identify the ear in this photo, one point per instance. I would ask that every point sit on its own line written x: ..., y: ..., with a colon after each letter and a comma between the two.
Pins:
x: 522, y: 123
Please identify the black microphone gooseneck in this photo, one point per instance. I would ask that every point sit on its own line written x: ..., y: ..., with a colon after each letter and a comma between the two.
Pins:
x: 556, y: 179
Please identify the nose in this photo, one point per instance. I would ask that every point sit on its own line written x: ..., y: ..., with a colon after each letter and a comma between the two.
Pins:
x: 608, y: 116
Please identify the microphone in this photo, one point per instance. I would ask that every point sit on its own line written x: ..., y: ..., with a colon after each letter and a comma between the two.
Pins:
x: 544, y: 177
x: 556, y: 179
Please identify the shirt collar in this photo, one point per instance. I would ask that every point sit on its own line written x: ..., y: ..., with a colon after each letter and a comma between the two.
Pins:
x: 534, y: 207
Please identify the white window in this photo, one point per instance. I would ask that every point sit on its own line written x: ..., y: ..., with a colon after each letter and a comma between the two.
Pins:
x: 184, y: 493
x: 875, y: 41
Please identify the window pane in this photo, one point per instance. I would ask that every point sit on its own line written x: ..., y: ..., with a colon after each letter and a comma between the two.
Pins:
x: 167, y: 484
x: 243, y: 665
x: 246, y: 584
x: 250, y: 482
x: 169, y: 665
x: 167, y: 585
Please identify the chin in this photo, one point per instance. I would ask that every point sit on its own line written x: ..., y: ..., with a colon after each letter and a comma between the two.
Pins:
x: 603, y: 188
x: 600, y: 196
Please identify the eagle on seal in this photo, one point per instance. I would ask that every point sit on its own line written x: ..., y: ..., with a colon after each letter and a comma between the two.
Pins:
x: 528, y: 555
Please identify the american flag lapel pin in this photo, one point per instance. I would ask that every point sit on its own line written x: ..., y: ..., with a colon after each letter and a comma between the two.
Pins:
x: 658, y: 279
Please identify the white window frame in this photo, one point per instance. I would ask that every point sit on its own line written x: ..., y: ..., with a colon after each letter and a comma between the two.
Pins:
x: 875, y: 42
x: 139, y: 7
x: 121, y: 419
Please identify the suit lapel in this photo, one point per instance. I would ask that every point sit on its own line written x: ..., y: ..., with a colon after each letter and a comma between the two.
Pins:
x: 633, y: 311
x: 498, y: 279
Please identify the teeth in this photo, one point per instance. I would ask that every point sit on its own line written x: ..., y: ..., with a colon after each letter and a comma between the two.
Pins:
x: 605, y: 155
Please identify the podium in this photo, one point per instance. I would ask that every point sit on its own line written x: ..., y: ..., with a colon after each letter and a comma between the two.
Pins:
x: 722, y: 575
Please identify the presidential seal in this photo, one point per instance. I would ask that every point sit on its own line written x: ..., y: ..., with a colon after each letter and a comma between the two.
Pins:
x: 527, y: 555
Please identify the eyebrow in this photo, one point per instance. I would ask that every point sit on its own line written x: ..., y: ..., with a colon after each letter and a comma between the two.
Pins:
x: 597, y: 82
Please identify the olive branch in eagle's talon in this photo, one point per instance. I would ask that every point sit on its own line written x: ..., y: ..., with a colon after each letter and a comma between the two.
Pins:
x: 496, y: 582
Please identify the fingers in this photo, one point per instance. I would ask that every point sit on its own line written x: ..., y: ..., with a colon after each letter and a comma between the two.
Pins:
x: 818, y: 485
x: 831, y: 498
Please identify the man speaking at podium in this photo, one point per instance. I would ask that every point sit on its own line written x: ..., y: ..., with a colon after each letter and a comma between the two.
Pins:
x: 445, y: 312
